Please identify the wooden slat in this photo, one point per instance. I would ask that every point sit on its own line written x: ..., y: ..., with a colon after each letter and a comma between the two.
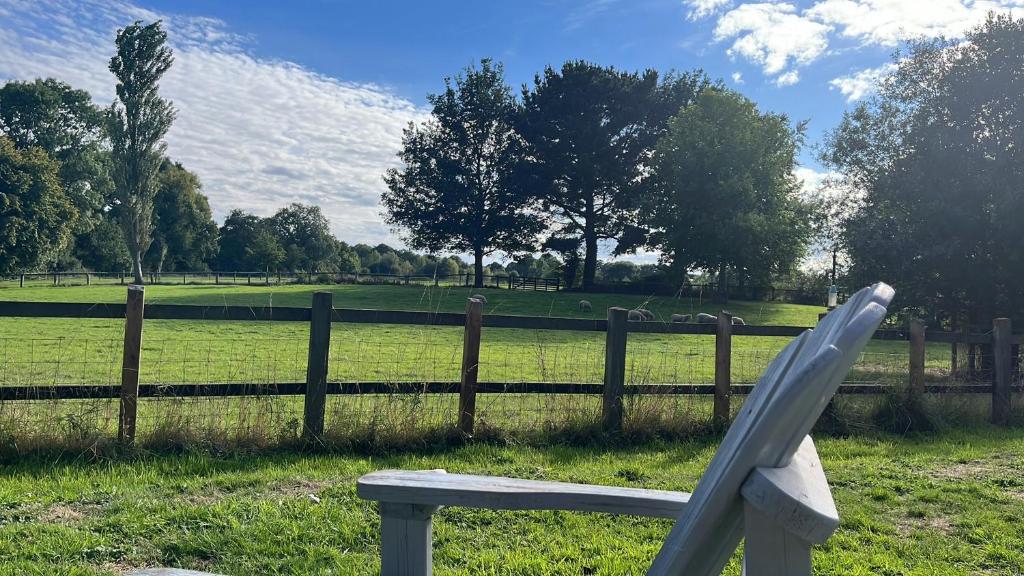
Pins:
x: 366, y: 316
x: 614, y: 370
x: 192, y: 312
x: 84, y: 392
x: 317, y: 367
x: 130, y: 364
x: 60, y: 310
x: 435, y: 488
x: 470, y: 365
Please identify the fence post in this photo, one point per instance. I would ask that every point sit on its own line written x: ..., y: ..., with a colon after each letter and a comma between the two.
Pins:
x: 470, y: 365
x: 723, y: 369
x: 614, y: 370
x: 21, y: 281
x: 1001, y: 349
x: 216, y: 278
x: 88, y: 279
x: 122, y: 278
x: 916, y: 357
x: 316, y: 366
x: 130, y: 362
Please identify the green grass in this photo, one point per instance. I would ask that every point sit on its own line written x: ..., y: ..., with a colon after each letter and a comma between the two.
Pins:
x: 945, y: 504
x: 88, y: 351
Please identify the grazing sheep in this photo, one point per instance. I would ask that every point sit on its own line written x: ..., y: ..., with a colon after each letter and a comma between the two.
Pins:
x: 737, y: 321
x: 703, y: 318
x: 479, y: 297
x: 681, y: 317
x: 585, y: 306
x: 635, y: 316
x: 648, y: 315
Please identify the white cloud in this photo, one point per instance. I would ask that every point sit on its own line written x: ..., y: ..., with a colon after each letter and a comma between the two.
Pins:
x: 888, y: 22
x: 259, y: 133
x: 737, y: 77
x: 773, y: 36
x: 861, y: 83
x: 704, y: 8
x: 781, y: 38
x: 787, y: 78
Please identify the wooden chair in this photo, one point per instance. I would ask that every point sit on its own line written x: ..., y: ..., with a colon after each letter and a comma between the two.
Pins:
x: 764, y: 484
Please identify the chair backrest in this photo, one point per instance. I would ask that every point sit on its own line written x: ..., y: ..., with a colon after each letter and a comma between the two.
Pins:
x: 778, y: 414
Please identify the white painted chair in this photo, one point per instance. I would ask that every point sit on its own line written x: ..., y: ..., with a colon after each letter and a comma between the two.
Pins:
x: 765, y: 483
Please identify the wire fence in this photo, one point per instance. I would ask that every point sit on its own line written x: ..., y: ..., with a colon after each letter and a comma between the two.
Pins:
x: 400, y: 368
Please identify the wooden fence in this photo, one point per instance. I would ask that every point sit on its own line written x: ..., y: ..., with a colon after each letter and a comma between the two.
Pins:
x: 614, y: 388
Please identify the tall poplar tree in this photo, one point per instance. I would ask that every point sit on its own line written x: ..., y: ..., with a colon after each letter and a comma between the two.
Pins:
x: 138, y: 121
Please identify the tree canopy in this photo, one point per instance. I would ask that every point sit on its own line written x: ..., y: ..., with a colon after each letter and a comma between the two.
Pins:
x: 138, y: 122
x: 937, y: 155
x: 456, y: 191
x: 722, y: 195
x: 36, y: 217
x: 590, y: 129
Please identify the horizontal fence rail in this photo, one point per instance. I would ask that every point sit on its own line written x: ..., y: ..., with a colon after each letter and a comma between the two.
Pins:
x: 1005, y: 358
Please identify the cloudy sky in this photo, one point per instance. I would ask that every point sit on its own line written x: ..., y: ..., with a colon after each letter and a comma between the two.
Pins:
x: 305, y: 100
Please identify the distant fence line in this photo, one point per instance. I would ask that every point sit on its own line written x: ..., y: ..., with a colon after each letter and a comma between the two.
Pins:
x: 1003, y: 343
x: 637, y: 287
x: 264, y: 278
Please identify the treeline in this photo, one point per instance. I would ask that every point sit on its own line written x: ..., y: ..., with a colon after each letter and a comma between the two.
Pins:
x: 590, y: 154
x: 926, y: 195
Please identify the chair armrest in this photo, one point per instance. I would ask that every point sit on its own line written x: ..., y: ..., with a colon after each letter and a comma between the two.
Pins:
x: 433, y: 488
x: 796, y: 496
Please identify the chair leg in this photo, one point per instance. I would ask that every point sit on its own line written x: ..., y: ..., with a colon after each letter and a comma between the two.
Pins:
x: 769, y: 550
x: 405, y: 539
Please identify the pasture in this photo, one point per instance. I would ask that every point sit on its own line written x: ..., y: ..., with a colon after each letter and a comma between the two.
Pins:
x: 36, y: 351
x: 945, y: 504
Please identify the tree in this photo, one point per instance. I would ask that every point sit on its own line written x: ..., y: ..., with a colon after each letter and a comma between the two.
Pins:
x: 63, y: 121
x: 36, y: 217
x: 103, y: 247
x: 138, y: 122
x: 937, y: 154
x: 184, y: 233
x: 590, y: 131
x: 304, y: 233
x: 722, y: 194
x: 456, y: 191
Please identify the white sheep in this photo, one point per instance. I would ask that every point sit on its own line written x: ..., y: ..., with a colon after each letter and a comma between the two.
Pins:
x: 479, y: 297
x: 737, y: 321
x: 681, y: 317
x: 648, y: 315
x: 703, y: 318
x: 635, y: 316
x: 585, y: 306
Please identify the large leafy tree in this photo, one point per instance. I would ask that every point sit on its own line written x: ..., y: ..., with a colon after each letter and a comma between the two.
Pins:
x: 937, y: 155
x: 36, y: 217
x: 64, y: 122
x: 184, y: 233
x: 305, y: 235
x: 247, y: 242
x: 590, y: 131
x: 723, y: 195
x: 138, y: 122
x: 456, y: 191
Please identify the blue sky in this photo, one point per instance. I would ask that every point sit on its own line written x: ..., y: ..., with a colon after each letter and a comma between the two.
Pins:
x: 305, y: 100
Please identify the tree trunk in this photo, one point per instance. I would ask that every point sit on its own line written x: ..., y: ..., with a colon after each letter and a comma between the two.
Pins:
x: 137, y: 267
x: 835, y: 251
x: 723, y: 283
x: 589, y: 258
x: 478, y: 268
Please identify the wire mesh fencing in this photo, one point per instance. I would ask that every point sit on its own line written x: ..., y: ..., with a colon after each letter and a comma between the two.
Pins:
x: 399, y: 383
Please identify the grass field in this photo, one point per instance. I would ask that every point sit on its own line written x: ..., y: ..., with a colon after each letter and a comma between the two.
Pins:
x: 84, y: 352
x: 946, y: 504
